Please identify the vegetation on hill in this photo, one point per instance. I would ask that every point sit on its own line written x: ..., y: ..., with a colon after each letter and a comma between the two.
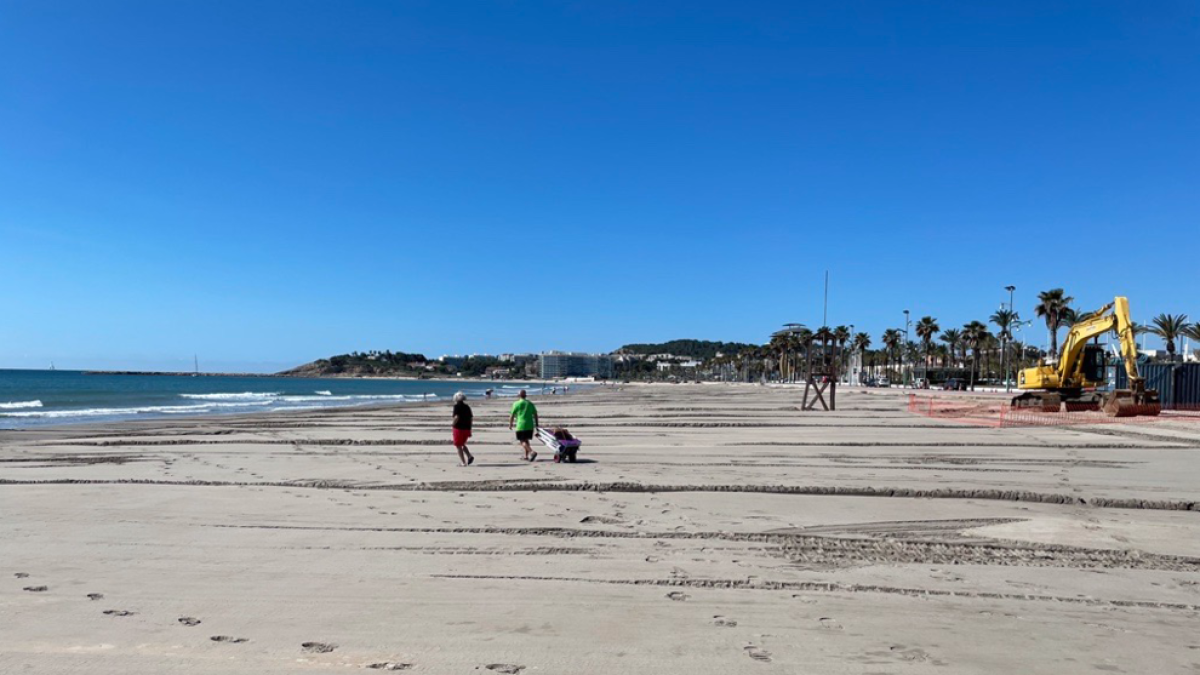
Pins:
x: 395, y: 364
x: 697, y: 349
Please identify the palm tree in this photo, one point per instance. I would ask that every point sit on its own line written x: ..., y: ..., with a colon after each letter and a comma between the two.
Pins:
x: 1170, y: 327
x: 939, y: 355
x: 974, y: 335
x: 841, y: 335
x: 1193, y: 332
x: 926, y: 328
x: 804, y: 338
x: 779, y: 345
x: 859, y: 344
x: 825, y: 335
x: 891, y: 341
x: 1053, y: 305
x: 793, y: 344
x: 1004, y: 320
x: 952, y: 337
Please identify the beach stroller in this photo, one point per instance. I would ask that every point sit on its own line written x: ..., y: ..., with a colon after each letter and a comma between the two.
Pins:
x: 561, y: 442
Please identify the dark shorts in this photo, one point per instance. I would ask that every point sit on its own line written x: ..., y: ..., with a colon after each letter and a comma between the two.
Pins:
x: 526, y: 435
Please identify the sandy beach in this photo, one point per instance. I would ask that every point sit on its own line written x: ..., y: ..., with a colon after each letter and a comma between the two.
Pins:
x: 706, y: 529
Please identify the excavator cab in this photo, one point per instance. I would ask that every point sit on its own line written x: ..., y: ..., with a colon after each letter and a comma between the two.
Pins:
x: 1094, y: 364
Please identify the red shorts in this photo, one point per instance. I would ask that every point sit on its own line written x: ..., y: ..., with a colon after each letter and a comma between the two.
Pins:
x: 461, y: 436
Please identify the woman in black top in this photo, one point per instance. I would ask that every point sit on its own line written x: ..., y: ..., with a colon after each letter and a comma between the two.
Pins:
x: 462, y: 428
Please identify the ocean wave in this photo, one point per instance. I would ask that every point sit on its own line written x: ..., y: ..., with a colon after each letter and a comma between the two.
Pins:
x: 197, y: 408
x: 243, y: 396
x: 286, y: 408
x: 361, y: 398
x: 33, y: 412
x: 15, y: 405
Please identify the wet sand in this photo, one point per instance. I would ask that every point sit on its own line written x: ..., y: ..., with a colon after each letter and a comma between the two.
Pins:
x: 706, y: 529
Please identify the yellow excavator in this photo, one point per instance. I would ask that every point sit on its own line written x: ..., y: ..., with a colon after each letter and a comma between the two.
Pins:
x: 1070, y: 383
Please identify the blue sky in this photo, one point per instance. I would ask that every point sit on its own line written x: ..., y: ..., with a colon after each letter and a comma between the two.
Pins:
x: 267, y: 183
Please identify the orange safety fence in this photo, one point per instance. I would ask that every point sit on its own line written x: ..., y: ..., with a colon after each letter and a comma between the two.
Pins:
x: 994, y: 413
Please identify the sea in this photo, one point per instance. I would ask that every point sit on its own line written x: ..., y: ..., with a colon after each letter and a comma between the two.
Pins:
x: 31, y: 398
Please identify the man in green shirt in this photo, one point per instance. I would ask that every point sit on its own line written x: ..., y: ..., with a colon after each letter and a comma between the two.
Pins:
x: 524, y: 418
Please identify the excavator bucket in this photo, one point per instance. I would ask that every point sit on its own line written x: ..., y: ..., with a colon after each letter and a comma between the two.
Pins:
x: 1130, y: 403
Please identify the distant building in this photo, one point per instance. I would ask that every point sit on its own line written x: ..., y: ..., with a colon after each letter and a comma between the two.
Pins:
x: 564, y: 364
x: 668, y: 365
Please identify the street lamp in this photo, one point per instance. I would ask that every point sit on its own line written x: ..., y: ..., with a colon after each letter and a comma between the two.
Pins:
x: 904, y: 350
x: 853, y: 351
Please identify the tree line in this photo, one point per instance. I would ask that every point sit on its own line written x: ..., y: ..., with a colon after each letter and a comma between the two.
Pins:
x: 973, y: 349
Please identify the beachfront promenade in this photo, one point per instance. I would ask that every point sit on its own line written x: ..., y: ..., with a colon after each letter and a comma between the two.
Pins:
x: 707, y: 529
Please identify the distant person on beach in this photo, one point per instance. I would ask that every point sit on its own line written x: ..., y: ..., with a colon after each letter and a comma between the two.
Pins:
x: 524, y: 419
x: 461, y: 428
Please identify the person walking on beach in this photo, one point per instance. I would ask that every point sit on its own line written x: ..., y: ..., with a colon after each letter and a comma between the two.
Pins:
x: 461, y: 428
x: 524, y: 419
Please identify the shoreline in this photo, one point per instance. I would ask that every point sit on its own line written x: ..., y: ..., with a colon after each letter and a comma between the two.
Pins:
x: 403, y: 378
x: 119, y: 424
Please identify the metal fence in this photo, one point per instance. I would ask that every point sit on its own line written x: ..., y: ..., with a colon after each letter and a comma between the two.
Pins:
x: 1178, y: 384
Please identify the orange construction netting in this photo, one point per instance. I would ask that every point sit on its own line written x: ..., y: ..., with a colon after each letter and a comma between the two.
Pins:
x: 999, y: 413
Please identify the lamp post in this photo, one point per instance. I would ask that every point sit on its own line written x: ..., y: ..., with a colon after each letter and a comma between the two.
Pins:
x: 904, y: 350
x: 849, y: 380
x: 1020, y: 356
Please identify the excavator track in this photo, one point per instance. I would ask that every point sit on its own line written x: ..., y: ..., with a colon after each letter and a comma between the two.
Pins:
x: 1045, y: 401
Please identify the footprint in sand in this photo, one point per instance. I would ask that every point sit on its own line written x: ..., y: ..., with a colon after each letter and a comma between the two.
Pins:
x: 95, y: 596
x: 390, y: 666
x: 678, y: 596
x: 226, y: 638
x: 506, y: 668
x: 118, y: 612
x: 829, y: 623
x: 189, y: 621
x: 318, y: 647
x: 758, y: 654
x: 36, y: 589
x: 22, y: 575
x: 719, y: 620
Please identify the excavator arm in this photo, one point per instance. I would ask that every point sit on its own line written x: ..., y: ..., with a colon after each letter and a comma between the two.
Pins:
x: 1127, y: 338
x: 1137, y: 399
x: 1070, y: 362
